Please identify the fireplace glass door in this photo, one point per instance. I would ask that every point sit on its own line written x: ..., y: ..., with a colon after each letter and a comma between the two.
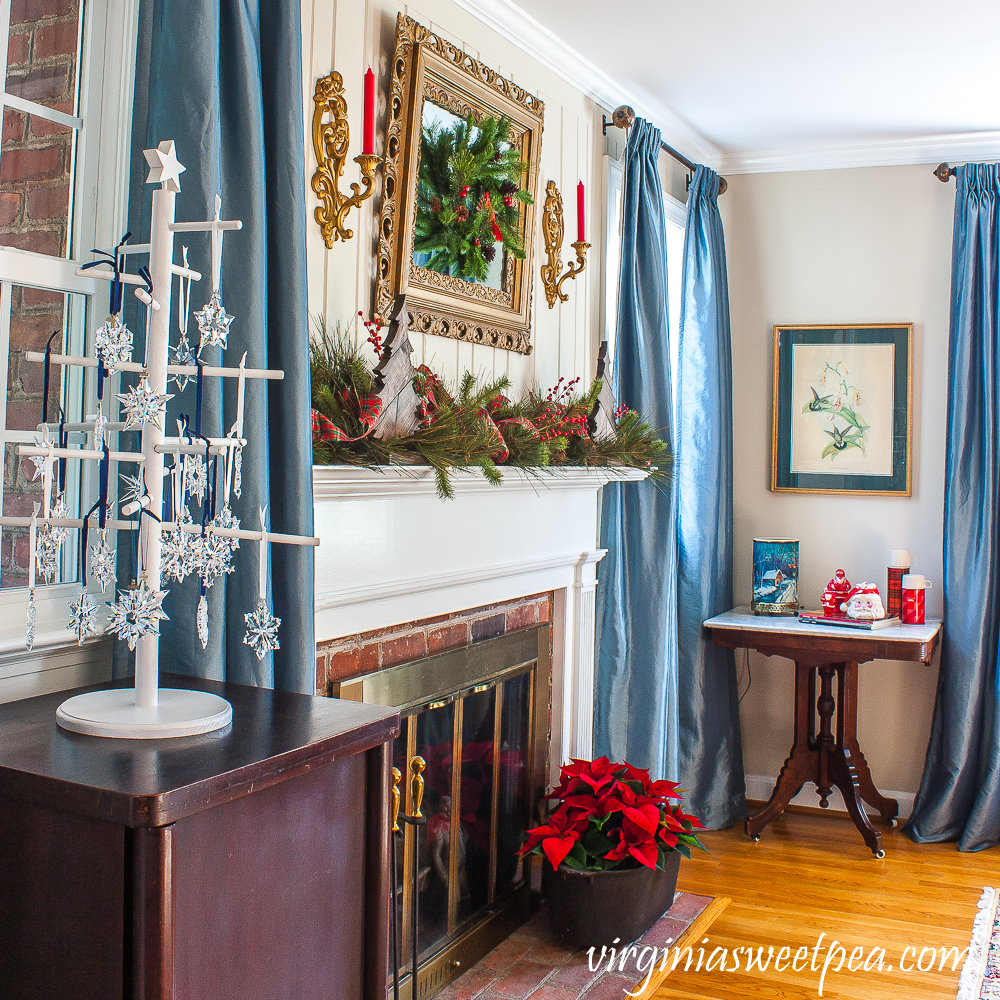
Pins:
x: 478, y: 716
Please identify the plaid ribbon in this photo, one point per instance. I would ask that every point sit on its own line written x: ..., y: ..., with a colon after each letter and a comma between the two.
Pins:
x: 502, y: 452
x: 324, y: 429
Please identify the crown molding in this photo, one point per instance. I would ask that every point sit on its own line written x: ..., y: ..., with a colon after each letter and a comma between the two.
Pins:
x: 952, y: 147
x: 532, y: 37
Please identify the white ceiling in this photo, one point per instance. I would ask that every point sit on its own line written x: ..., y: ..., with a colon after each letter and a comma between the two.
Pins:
x: 759, y: 83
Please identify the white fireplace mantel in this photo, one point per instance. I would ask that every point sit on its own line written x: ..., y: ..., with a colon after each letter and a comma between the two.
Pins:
x: 391, y: 551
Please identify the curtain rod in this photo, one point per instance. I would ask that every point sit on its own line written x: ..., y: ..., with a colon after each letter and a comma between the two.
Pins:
x: 944, y: 173
x: 624, y: 116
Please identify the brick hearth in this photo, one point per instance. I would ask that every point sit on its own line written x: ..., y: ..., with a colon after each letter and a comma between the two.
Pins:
x: 353, y: 656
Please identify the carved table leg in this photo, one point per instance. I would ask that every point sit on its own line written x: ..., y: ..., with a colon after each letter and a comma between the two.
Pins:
x: 847, y: 738
x: 845, y: 778
x: 800, y: 766
x: 824, y: 742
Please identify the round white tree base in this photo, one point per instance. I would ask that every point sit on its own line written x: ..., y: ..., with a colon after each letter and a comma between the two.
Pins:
x: 114, y: 713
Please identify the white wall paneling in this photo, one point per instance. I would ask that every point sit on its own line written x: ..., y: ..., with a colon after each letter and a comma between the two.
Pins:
x: 350, y: 35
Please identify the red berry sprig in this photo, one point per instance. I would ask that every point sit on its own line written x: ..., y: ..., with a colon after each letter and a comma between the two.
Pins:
x: 553, y: 422
x: 374, y: 327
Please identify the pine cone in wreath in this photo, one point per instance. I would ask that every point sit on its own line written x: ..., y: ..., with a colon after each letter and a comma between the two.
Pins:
x: 508, y: 189
x: 489, y: 252
x: 461, y: 214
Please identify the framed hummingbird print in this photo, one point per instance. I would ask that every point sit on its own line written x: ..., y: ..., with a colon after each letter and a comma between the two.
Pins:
x: 843, y: 409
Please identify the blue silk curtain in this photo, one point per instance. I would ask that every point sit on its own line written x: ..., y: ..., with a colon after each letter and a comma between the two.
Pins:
x: 959, y: 797
x: 711, y: 753
x: 635, y: 716
x: 224, y: 80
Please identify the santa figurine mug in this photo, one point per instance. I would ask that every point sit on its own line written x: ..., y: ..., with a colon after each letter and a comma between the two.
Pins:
x: 914, y: 586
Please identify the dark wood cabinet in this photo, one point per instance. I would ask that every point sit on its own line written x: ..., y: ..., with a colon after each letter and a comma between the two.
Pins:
x: 249, y: 863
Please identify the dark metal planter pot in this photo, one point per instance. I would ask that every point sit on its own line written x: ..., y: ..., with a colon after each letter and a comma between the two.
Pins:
x: 594, y: 908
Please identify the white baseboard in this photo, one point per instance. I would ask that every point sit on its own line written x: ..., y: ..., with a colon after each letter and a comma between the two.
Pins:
x: 759, y: 789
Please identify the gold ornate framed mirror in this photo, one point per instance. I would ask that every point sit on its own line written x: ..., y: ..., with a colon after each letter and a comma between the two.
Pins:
x: 457, y: 225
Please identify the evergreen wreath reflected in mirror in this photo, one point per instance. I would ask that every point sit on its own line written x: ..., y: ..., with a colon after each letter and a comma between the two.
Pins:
x: 468, y: 197
x: 457, y: 221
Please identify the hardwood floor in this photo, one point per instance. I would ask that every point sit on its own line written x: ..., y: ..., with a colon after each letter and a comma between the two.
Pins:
x: 811, y: 875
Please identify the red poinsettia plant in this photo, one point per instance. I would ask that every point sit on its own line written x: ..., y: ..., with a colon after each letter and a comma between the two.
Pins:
x: 612, y: 816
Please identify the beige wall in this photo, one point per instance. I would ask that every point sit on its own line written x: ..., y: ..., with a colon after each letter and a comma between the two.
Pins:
x: 350, y: 35
x: 840, y: 246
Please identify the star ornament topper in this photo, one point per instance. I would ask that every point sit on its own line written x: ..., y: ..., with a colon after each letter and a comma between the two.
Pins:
x: 164, y: 167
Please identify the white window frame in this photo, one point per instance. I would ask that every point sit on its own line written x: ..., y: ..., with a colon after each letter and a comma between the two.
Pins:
x: 99, y: 216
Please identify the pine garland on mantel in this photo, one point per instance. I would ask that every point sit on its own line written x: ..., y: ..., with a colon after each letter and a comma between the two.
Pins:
x: 474, y: 427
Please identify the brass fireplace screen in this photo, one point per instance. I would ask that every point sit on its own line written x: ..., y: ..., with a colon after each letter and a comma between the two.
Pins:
x: 479, y: 717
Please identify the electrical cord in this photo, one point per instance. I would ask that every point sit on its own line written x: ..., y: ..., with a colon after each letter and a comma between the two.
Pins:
x: 746, y: 654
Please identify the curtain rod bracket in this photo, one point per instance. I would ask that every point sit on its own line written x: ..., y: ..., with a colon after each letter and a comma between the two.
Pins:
x: 943, y: 172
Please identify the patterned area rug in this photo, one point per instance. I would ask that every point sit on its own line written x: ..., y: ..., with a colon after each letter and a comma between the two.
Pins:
x: 981, y: 972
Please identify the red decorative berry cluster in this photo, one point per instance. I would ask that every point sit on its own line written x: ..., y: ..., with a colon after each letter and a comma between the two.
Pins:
x: 621, y: 411
x: 557, y: 420
x: 374, y: 327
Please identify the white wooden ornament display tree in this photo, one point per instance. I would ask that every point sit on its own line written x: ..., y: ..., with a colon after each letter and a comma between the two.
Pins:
x: 148, y: 711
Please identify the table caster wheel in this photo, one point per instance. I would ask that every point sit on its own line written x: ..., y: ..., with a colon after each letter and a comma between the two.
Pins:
x: 880, y: 854
x: 894, y: 822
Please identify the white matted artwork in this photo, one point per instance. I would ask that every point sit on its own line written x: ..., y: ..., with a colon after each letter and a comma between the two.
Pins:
x: 842, y: 409
x: 842, y: 416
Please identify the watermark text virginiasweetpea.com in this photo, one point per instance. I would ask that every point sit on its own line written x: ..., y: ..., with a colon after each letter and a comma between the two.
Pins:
x: 822, y: 960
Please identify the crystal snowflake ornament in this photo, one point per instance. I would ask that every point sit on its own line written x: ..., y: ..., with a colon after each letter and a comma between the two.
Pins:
x: 213, y: 323
x: 174, y: 560
x: 113, y: 342
x: 183, y: 355
x: 29, y: 624
x: 103, y: 562
x: 39, y: 461
x: 83, y: 614
x: 136, y: 613
x: 133, y: 489
x: 60, y: 511
x: 143, y: 405
x: 262, y: 630
x: 195, y: 476
x: 202, y: 621
x: 226, y: 519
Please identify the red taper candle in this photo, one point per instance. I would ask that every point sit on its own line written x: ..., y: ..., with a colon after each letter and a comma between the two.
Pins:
x: 580, y: 226
x: 368, y: 145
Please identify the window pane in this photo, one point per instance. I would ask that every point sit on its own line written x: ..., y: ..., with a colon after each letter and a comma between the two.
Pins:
x: 36, y: 183
x: 35, y: 314
x: 42, y: 61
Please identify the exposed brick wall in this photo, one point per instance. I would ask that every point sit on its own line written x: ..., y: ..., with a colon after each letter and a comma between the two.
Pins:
x: 37, y: 155
x: 352, y: 656
x: 35, y: 177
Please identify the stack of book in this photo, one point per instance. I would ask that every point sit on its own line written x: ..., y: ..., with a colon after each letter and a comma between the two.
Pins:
x: 818, y: 618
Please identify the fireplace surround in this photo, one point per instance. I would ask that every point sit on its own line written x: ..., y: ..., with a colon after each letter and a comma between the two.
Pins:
x: 392, y: 552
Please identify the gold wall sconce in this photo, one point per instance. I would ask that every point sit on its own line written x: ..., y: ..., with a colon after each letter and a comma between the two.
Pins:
x: 330, y: 142
x: 552, y: 229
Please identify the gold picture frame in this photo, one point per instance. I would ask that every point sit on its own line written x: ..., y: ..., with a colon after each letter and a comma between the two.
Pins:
x: 843, y: 394
x: 427, y: 68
